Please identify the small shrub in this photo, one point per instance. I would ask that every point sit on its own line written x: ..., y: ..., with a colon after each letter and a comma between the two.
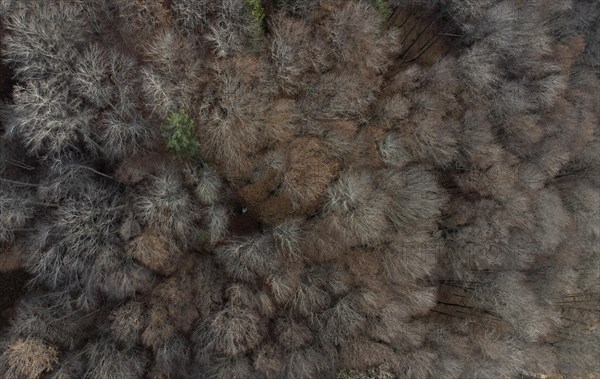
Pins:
x: 31, y: 357
x: 179, y: 132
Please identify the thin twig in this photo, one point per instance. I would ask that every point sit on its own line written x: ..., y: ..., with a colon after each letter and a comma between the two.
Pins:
x: 95, y: 171
x: 19, y: 183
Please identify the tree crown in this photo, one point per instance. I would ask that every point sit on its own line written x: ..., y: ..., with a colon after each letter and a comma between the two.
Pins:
x: 179, y: 132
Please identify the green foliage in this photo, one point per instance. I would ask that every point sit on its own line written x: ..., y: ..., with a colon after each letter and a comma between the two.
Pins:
x: 179, y: 132
x: 383, y: 8
x: 255, y: 11
x: 256, y: 16
x: 384, y: 11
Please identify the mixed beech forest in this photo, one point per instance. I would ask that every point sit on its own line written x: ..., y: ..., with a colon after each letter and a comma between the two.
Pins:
x: 298, y: 189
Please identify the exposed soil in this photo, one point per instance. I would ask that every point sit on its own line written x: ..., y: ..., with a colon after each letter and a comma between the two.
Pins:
x: 243, y: 221
x: 6, y: 77
x: 6, y: 82
x: 12, y: 287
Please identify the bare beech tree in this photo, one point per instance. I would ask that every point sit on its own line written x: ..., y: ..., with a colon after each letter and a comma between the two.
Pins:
x: 47, y: 119
x: 36, y: 48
